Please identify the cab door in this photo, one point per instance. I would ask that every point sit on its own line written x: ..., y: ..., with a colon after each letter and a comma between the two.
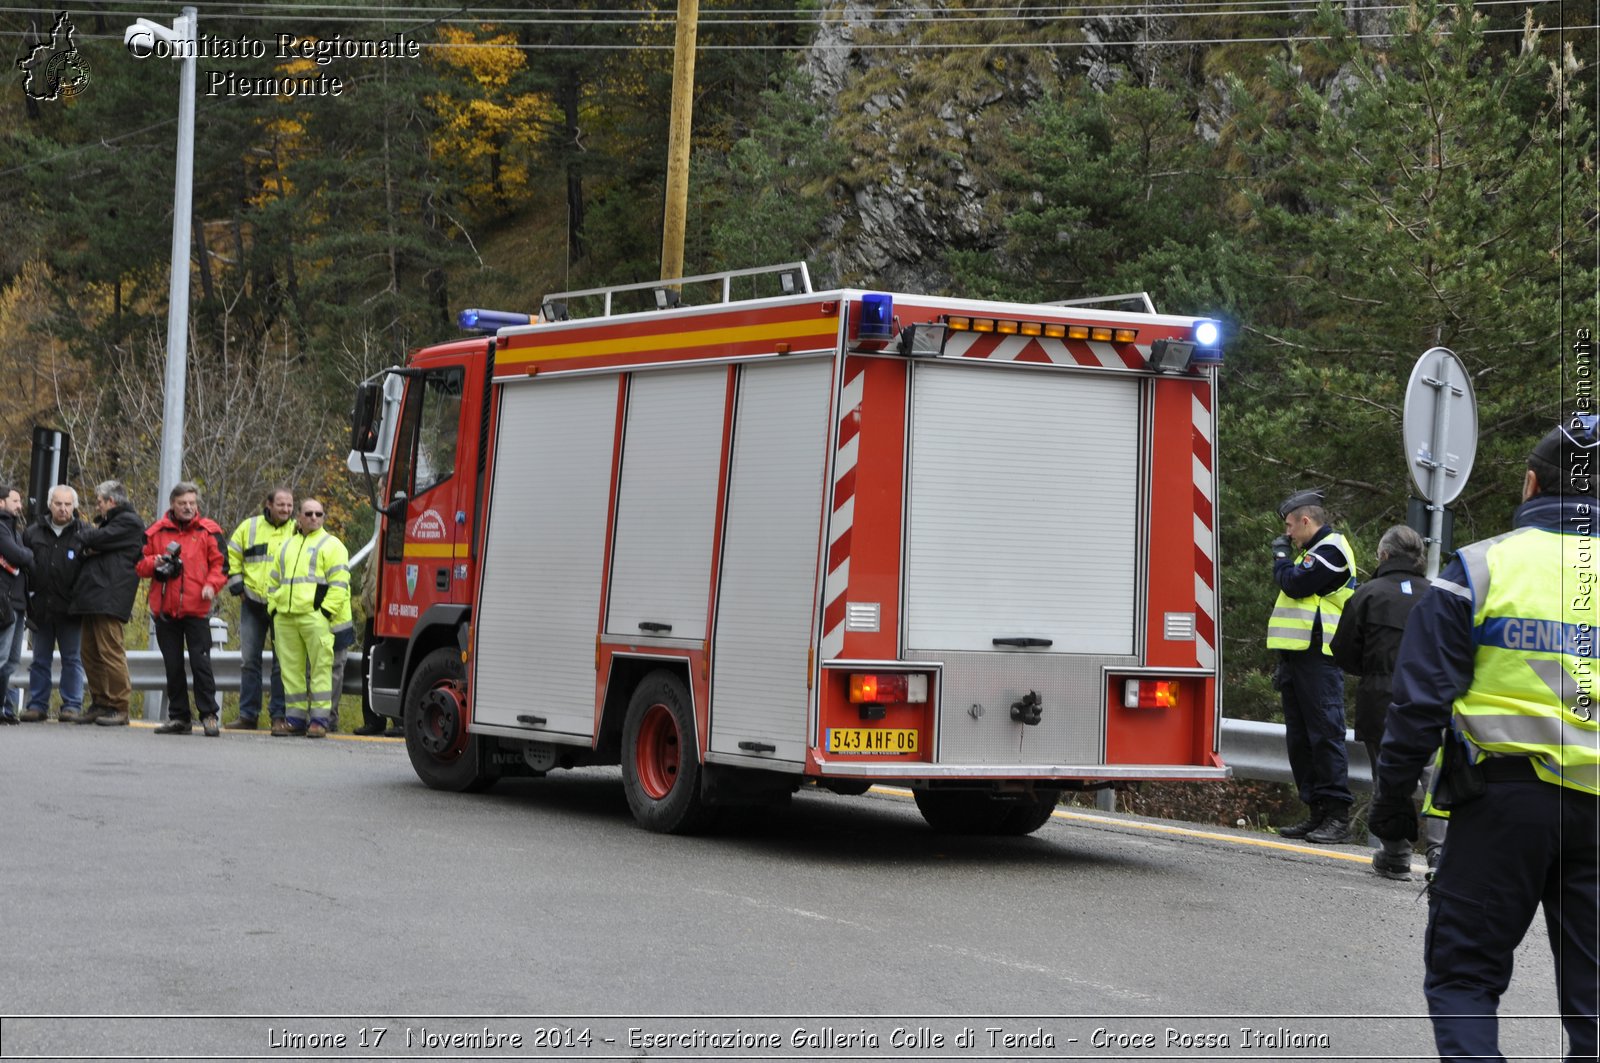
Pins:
x: 426, y: 553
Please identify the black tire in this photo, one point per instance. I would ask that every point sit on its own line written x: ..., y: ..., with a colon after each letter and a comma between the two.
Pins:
x: 847, y: 787
x: 444, y: 755
x: 976, y: 812
x: 1030, y: 813
x: 661, y: 770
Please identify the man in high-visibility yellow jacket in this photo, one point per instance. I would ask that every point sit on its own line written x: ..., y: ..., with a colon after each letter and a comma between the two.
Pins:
x: 1315, y: 572
x: 252, y: 548
x: 308, y: 588
x: 1500, y: 655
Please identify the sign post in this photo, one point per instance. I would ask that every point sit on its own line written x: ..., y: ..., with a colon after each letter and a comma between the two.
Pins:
x: 1441, y: 436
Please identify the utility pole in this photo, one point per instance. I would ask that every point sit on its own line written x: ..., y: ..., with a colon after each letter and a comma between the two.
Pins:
x: 677, y: 206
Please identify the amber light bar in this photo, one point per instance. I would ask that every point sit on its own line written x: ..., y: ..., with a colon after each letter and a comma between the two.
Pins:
x: 1049, y: 330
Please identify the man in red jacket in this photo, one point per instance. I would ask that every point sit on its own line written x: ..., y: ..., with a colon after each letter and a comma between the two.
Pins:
x: 183, y: 554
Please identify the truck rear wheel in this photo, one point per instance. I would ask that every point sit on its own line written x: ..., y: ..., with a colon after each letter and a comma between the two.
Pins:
x: 444, y: 755
x: 976, y: 812
x: 1030, y: 813
x: 660, y: 764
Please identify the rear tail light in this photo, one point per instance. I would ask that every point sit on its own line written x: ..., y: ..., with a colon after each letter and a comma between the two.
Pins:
x: 1150, y: 694
x: 868, y: 688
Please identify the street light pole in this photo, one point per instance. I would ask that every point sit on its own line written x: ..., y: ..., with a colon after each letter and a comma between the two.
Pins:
x: 183, y: 39
x: 178, y: 298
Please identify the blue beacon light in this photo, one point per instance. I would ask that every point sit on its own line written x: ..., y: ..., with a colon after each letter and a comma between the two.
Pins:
x: 490, y: 320
x: 877, y: 317
x: 1207, y: 343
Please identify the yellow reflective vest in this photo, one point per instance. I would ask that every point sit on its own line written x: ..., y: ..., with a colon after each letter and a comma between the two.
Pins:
x: 1536, y: 669
x: 1294, y: 619
x: 251, y: 550
x: 311, y: 574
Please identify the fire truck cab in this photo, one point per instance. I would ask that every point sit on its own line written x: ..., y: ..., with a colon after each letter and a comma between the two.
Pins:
x: 805, y: 537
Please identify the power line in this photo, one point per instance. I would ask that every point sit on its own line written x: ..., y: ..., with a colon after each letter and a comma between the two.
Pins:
x: 918, y: 16
x: 100, y: 142
x: 624, y: 46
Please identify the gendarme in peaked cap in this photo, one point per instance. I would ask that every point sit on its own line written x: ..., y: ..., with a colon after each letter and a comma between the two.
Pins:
x: 1295, y: 501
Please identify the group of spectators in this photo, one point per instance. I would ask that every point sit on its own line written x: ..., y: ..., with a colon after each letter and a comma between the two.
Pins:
x: 71, y: 585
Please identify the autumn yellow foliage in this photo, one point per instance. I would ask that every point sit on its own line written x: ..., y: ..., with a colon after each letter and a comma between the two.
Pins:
x: 488, y: 129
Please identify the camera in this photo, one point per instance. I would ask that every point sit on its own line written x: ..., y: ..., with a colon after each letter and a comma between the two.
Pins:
x: 170, y: 566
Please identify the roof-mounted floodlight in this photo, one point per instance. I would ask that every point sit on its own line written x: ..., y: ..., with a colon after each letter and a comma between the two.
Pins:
x: 667, y: 298
x: 554, y: 310
x: 490, y: 320
x: 1170, y: 356
x: 925, y: 339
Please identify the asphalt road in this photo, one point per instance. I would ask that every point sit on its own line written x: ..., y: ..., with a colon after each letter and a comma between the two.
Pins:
x: 209, y: 898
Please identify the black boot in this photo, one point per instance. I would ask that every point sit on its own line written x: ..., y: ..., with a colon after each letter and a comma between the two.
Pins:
x: 1335, y: 827
x: 1312, y: 821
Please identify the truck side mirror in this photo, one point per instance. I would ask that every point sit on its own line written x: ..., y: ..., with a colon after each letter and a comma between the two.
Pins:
x: 396, y: 507
x: 364, y: 418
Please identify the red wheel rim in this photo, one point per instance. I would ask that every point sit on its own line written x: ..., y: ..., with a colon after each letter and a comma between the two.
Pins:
x: 658, y: 752
x: 439, y: 724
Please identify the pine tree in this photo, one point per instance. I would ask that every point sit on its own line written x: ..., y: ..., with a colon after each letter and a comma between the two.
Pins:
x: 1429, y: 192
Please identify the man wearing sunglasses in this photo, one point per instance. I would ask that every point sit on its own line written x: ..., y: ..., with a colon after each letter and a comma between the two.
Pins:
x: 308, y: 587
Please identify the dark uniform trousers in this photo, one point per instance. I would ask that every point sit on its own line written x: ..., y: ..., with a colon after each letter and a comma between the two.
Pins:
x: 1312, y: 687
x: 1523, y: 843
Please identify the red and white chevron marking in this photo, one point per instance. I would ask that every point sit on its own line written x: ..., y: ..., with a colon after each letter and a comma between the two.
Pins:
x: 1205, y: 528
x: 996, y: 348
x: 836, y: 584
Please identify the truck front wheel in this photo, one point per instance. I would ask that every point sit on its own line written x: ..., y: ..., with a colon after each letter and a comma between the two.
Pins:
x: 444, y: 755
x: 660, y: 764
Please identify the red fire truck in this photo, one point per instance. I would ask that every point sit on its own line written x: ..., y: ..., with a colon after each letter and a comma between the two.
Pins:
x: 806, y: 537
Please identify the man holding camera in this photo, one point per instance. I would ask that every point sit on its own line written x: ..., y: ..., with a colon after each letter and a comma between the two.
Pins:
x: 183, y: 560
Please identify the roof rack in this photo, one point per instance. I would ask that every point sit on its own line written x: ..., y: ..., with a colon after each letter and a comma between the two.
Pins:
x: 792, y: 279
x: 1125, y: 297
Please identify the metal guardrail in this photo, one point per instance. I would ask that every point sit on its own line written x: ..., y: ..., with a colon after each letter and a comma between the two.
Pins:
x: 147, y: 671
x: 1253, y: 750
x: 1256, y: 751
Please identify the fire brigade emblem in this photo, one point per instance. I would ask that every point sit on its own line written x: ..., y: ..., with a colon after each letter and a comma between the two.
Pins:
x: 430, y: 525
x: 411, y: 581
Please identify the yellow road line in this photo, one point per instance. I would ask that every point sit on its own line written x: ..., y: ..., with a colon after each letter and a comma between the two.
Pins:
x: 1186, y: 832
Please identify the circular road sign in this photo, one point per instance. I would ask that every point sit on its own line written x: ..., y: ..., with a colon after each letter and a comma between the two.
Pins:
x: 1441, y: 425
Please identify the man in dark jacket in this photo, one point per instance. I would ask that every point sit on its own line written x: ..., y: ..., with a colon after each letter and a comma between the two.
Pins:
x: 1366, y: 644
x: 56, y: 542
x: 183, y: 560
x: 15, y: 560
x: 103, y: 601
